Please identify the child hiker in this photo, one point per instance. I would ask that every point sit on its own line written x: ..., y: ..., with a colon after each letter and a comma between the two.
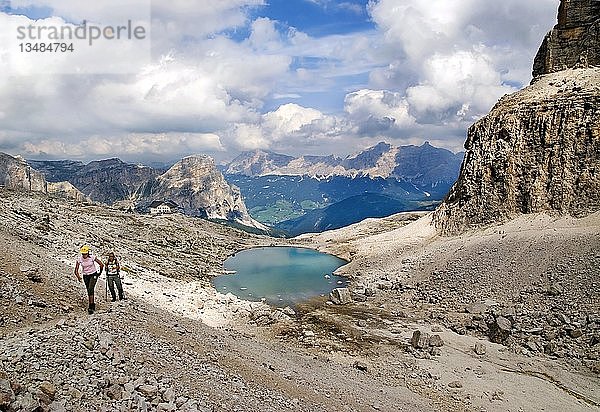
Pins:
x: 112, y: 276
x: 87, y: 261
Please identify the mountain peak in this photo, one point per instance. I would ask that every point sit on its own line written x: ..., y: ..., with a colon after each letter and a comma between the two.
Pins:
x: 257, y: 162
x: 196, y: 159
x: 574, y: 41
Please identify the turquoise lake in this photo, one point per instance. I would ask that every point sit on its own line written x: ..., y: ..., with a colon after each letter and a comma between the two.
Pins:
x: 281, y: 275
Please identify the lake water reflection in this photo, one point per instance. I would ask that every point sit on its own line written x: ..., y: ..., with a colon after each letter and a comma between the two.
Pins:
x: 281, y: 275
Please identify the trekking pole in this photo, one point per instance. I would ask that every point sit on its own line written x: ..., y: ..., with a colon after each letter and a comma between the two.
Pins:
x: 106, y: 288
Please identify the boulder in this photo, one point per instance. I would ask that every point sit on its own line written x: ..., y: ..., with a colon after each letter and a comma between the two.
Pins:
x: 419, y: 340
x: 289, y: 311
x: 436, y: 341
x: 362, y: 366
x: 149, y: 391
x: 555, y: 289
x: 115, y: 392
x: 26, y: 403
x: 479, y: 348
x: 477, y: 308
x: 48, y: 389
x: 500, y: 329
x: 340, y: 296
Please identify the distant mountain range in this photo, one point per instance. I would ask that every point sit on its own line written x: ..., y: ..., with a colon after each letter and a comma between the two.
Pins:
x: 279, y: 187
x: 294, y: 194
x: 425, y: 166
x: 194, y: 183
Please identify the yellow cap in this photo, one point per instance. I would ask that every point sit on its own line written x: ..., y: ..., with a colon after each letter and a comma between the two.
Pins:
x: 85, y: 249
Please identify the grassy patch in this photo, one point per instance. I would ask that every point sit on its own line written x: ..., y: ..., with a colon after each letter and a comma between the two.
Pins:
x: 280, y: 211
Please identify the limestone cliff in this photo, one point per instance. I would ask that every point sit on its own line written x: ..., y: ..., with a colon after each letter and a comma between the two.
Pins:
x: 199, y: 189
x: 574, y: 41
x: 16, y: 173
x: 538, y: 149
x: 111, y: 180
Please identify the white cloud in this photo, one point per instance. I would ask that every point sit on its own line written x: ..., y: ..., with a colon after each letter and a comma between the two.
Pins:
x: 455, y: 58
x: 264, y: 35
x: 202, y: 89
x: 290, y: 118
x: 131, y: 145
x: 381, y: 108
x: 425, y: 73
x: 462, y: 85
x: 288, y: 128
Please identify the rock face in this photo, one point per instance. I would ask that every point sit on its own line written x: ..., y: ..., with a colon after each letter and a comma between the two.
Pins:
x: 16, y: 173
x: 195, y: 184
x: 538, y: 149
x: 574, y: 41
x: 111, y: 180
x: 257, y: 162
x: 57, y: 170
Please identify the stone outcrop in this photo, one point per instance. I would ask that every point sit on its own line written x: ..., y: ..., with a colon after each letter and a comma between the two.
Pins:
x: 16, y: 173
x: 199, y: 189
x: 574, y: 41
x: 538, y: 149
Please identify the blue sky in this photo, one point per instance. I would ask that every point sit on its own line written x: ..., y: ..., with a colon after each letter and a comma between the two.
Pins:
x: 295, y: 76
x: 319, y: 18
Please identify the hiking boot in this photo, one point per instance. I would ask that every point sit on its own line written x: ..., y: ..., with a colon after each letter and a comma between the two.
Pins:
x: 91, y: 308
x: 113, y: 300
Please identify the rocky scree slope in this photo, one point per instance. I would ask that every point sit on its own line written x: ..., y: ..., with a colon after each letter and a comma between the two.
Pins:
x: 538, y: 149
x: 133, y: 356
x: 174, y: 245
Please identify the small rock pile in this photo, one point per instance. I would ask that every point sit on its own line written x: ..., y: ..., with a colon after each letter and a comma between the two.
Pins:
x: 426, y: 344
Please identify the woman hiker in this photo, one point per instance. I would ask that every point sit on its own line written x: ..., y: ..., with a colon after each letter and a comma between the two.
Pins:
x: 90, y: 274
x: 112, y: 275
